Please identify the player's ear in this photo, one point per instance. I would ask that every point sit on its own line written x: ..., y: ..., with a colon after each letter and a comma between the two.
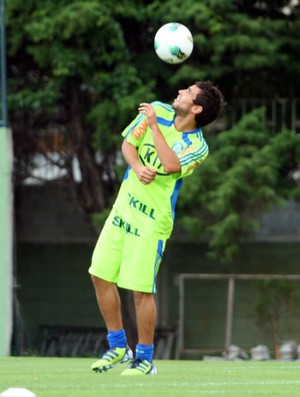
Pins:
x: 197, y: 109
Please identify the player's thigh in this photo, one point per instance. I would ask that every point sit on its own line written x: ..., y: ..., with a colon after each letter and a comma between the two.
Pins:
x: 140, y: 263
x: 108, y: 252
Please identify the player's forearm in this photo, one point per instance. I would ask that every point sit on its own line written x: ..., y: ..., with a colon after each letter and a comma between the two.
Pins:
x: 166, y: 155
x: 130, y: 155
x: 145, y: 174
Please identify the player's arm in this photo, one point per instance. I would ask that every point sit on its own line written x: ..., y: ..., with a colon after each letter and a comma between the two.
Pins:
x: 145, y: 174
x: 166, y: 155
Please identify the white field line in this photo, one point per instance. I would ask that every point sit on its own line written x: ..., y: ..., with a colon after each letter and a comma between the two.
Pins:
x: 218, y: 384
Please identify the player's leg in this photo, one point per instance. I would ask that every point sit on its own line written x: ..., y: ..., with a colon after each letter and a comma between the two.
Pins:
x: 104, y: 271
x: 145, y: 308
x: 110, y: 306
x: 141, y: 277
x: 109, y: 303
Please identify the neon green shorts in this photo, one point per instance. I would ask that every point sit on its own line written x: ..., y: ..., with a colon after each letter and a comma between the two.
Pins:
x: 126, y: 257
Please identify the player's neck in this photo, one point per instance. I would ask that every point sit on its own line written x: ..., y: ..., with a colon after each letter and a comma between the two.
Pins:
x: 184, y: 124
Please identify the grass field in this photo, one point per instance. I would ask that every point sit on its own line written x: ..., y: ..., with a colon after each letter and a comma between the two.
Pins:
x: 72, y: 377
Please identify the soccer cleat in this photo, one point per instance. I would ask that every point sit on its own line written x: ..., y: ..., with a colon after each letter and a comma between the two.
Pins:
x: 140, y: 367
x: 112, y: 357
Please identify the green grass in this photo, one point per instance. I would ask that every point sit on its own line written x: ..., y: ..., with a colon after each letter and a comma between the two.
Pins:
x: 72, y: 377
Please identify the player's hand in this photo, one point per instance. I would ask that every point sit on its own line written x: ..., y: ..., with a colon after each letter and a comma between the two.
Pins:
x: 145, y: 175
x: 148, y: 110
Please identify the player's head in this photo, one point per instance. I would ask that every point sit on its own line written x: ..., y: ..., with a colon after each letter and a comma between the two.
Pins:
x: 212, y: 101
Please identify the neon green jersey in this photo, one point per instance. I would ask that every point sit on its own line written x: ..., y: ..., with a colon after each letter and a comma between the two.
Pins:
x: 150, y: 209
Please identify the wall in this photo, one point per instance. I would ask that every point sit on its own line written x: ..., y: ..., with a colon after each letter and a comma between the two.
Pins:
x: 53, y: 254
x: 6, y: 233
x: 48, y: 213
x: 55, y: 289
x: 205, y: 304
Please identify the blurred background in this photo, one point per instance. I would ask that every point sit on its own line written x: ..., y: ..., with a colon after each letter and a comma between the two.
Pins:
x: 72, y: 75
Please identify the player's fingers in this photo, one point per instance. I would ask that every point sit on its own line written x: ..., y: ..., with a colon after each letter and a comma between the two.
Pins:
x: 145, y: 107
x: 151, y: 171
x: 146, y: 182
x: 147, y: 178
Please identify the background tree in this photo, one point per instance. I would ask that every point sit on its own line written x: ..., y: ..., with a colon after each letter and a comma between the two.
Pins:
x: 248, y: 171
x: 71, y: 88
x: 78, y: 69
x: 275, y: 299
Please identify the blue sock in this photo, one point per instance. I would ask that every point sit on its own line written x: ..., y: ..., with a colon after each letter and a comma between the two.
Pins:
x: 144, y: 352
x: 117, y: 338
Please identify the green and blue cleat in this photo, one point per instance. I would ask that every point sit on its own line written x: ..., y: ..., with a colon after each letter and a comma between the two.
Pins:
x: 140, y: 367
x: 113, y: 356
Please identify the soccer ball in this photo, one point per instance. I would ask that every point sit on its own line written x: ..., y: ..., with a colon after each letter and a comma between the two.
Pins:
x: 173, y: 42
x: 17, y: 392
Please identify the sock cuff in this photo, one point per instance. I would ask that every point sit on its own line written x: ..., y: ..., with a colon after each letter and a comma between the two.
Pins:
x: 139, y: 346
x: 117, y: 338
x: 144, y: 352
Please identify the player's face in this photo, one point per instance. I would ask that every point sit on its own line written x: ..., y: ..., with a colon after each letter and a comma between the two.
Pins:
x: 184, y: 101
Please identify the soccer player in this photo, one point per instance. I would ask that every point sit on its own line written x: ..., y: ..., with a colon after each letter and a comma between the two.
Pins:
x: 162, y: 146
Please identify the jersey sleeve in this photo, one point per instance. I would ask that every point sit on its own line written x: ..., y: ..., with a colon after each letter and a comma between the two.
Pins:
x: 134, y: 132
x: 191, y: 157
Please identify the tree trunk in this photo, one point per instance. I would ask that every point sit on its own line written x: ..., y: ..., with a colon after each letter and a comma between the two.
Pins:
x: 91, y: 190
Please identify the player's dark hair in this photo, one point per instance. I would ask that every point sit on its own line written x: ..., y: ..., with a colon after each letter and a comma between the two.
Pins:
x: 212, y: 101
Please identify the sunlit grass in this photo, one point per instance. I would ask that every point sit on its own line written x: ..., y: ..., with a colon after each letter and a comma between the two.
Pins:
x: 72, y: 377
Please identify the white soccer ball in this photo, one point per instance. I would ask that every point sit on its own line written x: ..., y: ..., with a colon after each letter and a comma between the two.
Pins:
x: 173, y: 42
x: 17, y: 392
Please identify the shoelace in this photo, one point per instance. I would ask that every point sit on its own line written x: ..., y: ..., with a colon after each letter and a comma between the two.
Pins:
x: 136, y: 362
x: 109, y: 353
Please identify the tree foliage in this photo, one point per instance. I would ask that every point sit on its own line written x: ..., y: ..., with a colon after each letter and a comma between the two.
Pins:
x: 77, y: 70
x: 248, y: 171
x: 72, y: 86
